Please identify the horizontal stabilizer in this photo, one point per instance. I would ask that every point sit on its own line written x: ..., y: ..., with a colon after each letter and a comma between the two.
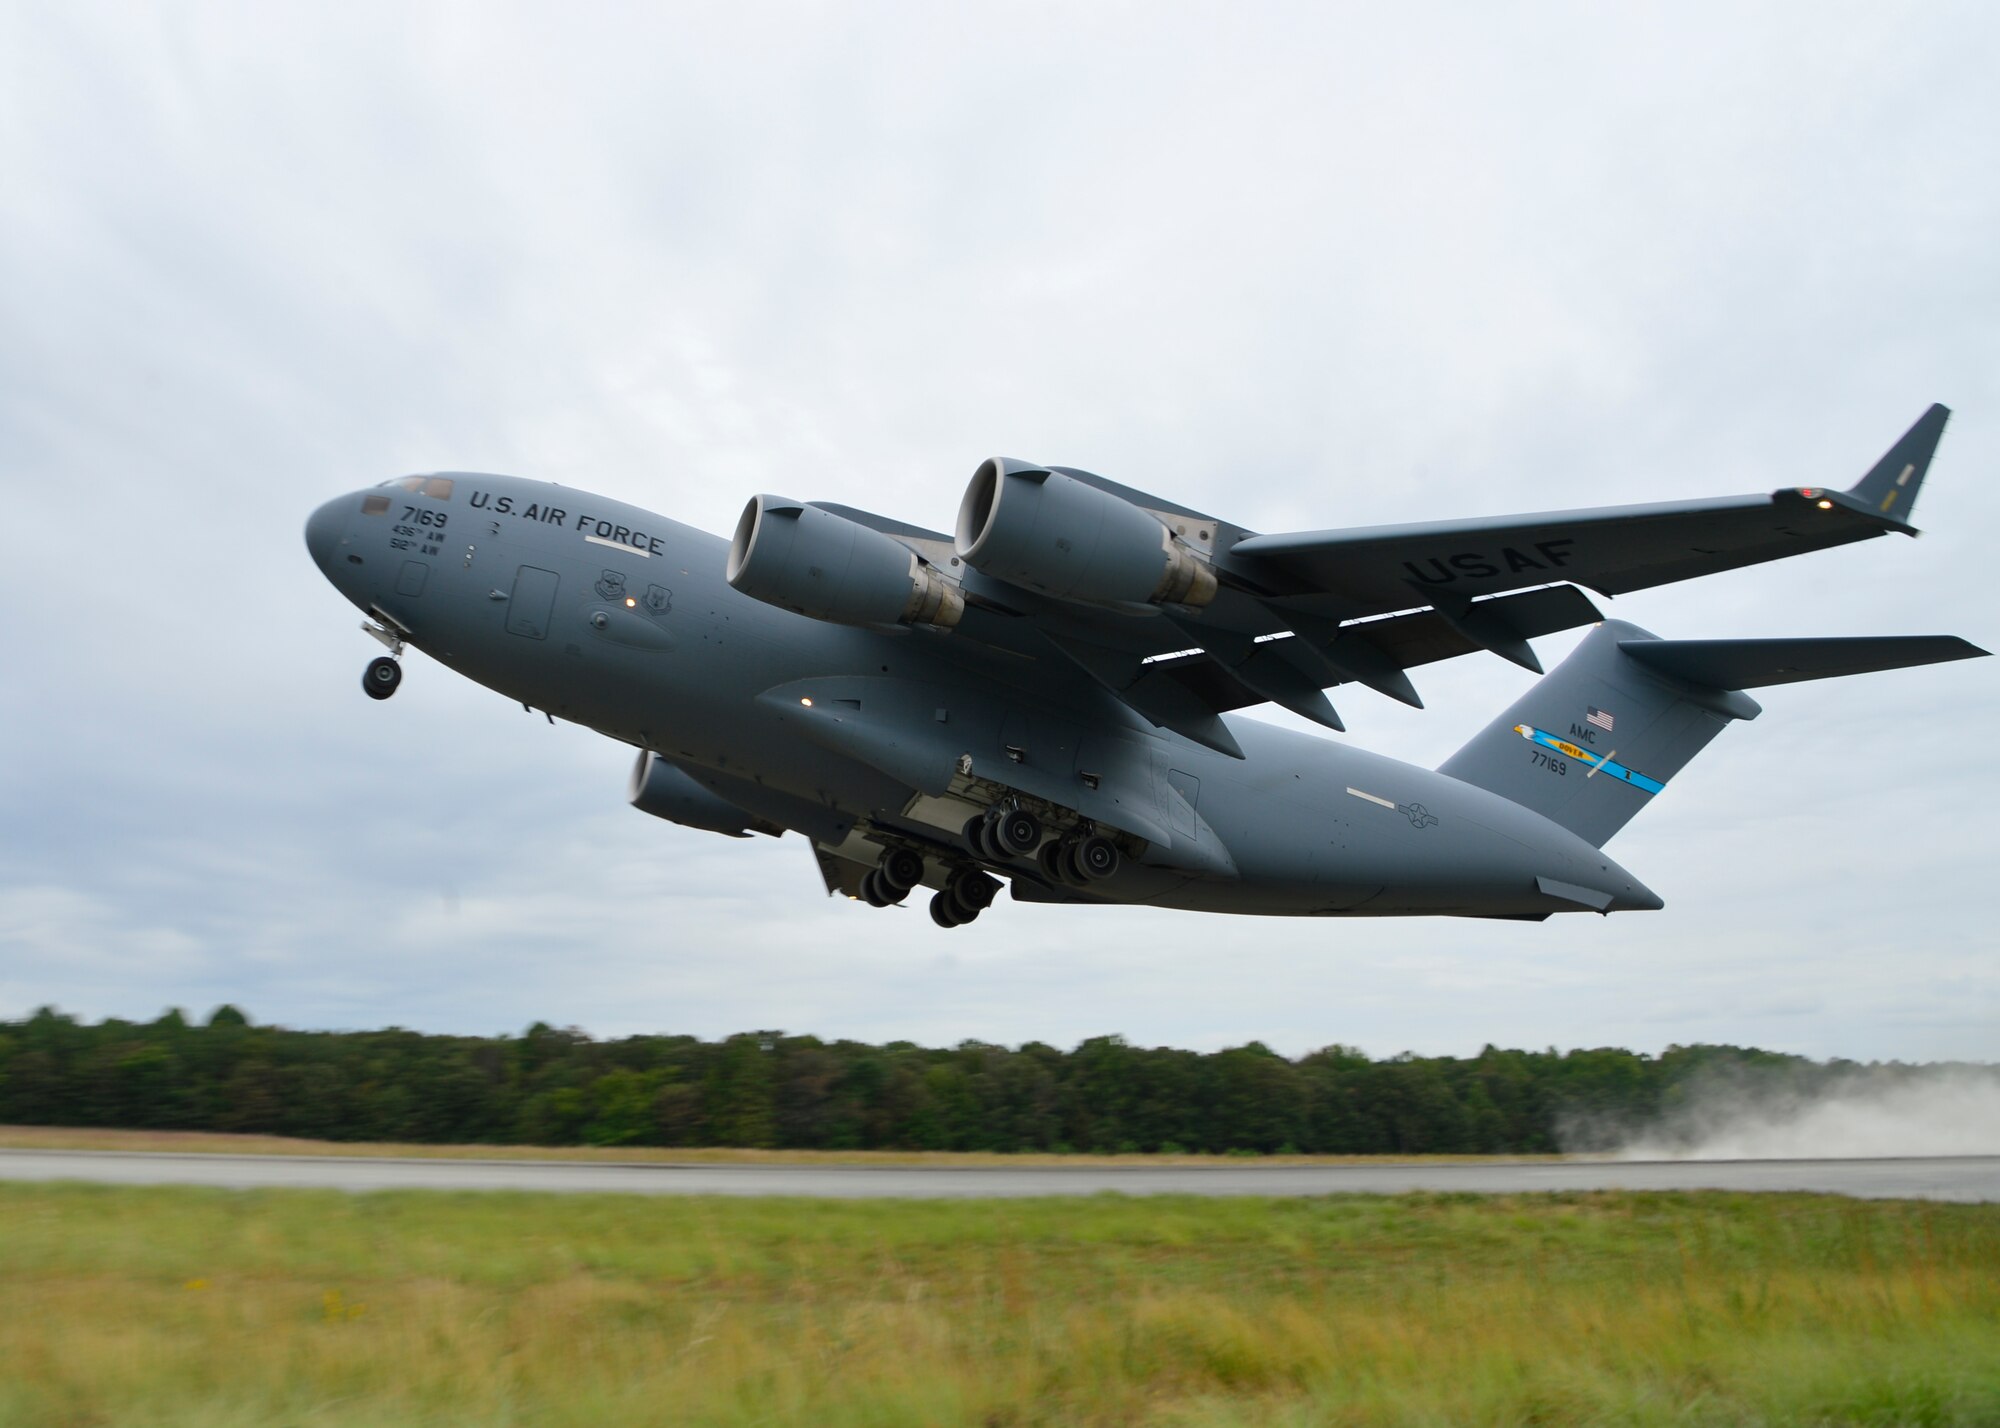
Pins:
x: 1753, y: 664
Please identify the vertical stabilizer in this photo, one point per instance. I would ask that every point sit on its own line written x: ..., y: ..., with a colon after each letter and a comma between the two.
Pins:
x: 1597, y: 739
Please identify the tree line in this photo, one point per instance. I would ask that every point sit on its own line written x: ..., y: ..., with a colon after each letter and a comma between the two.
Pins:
x: 559, y: 1086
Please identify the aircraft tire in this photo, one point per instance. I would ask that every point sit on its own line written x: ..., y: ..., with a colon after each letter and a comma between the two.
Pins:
x: 1073, y: 872
x: 1051, y: 861
x: 941, y: 912
x: 872, y: 891
x: 987, y: 845
x: 901, y: 870
x: 380, y: 679
x: 970, y: 892
x: 1016, y: 833
x: 1097, y: 857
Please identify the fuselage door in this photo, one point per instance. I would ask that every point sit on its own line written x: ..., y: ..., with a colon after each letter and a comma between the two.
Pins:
x: 529, y: 607
x: 1181, y: 810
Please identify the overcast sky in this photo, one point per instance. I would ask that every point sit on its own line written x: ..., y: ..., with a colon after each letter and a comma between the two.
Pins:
x: 1300, y: 265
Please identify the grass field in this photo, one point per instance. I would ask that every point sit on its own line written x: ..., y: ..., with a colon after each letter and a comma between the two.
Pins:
x: 175, y: 1306
x: 218, y: 1143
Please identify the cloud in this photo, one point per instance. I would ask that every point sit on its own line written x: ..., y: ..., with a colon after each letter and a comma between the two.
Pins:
x: 1305, y: 268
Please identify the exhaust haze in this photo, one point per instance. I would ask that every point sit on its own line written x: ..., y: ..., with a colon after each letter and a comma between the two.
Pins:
x: 1854, y: 1113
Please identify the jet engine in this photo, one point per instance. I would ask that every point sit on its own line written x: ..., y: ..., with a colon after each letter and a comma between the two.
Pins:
x: 668, y: 791
x: 1049, y: 532
x: 813, y: 562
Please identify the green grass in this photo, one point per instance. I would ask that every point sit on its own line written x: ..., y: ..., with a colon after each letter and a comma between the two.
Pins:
x: 175, y: 1306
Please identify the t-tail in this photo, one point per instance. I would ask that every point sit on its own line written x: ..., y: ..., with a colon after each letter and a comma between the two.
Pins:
x: 1599, y: 737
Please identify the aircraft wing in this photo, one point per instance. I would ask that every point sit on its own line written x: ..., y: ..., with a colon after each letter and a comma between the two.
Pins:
x: 1284, y: 617
x: 1610, y: 550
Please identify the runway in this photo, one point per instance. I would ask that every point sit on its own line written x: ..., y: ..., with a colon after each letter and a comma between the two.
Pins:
x: 1963, y: 1178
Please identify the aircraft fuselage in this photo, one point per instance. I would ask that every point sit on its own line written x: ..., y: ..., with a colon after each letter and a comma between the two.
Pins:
x: 861, y: 738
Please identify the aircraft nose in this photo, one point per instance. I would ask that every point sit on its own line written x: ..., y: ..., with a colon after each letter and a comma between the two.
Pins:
x: 324, y: 528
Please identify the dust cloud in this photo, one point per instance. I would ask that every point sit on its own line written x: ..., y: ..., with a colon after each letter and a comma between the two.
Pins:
x: 1851, y: 1112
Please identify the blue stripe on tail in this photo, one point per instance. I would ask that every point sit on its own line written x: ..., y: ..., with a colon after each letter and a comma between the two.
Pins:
x: 1600, y: 764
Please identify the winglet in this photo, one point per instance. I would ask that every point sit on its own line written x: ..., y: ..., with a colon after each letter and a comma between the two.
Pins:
x: 1889, y: 490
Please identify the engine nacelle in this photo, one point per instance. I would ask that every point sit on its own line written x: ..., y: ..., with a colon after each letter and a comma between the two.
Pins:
x: 1049, y: 532
x: 668, y: 791
x: 812, y: 562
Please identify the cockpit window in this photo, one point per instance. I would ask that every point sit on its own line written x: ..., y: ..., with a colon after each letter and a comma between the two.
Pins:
x: 374, y: 505
x: 438, y: 488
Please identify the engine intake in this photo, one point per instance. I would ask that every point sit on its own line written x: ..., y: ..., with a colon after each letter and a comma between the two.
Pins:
x: 1037, y: 528
x: 815, y: 563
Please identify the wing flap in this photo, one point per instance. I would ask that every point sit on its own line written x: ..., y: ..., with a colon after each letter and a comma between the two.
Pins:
x: 1320, y: 653
x: 1163, y: 702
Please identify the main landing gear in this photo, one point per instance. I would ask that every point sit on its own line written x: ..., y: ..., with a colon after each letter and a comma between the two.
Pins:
x: 996, y: 837
x: 1079, y: 861
x: 891, y: 881
x: 1002, y: 835
x: 968, y: 893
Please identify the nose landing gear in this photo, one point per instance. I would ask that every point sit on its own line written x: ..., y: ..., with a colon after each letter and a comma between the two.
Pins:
x: 383, y: 674
x: 380, y: 679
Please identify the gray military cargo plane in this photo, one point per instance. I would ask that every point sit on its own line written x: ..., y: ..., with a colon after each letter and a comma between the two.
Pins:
x: 1040, y: 697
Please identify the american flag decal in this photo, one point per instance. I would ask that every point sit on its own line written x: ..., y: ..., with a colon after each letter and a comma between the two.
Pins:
x: 1598, y: 717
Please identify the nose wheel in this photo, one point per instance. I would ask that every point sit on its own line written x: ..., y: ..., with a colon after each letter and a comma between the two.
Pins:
x: 380, y: 679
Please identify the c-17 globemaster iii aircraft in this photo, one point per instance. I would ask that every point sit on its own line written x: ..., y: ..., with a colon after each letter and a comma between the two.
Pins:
x: 1040, y: 697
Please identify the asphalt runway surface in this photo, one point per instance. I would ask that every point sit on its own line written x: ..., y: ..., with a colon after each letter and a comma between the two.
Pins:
x: 1961, y: 1178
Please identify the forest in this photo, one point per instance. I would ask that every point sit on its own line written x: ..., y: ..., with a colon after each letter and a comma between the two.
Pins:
x: 559, y: 1086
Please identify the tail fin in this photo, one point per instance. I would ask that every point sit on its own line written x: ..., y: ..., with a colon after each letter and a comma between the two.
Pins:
x: 1594, y: 740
